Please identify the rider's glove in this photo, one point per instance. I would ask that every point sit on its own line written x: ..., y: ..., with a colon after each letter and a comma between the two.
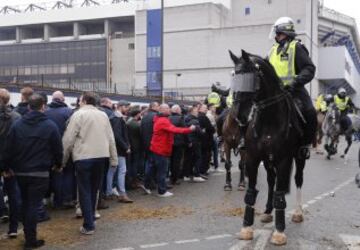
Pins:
x: 290, y: 87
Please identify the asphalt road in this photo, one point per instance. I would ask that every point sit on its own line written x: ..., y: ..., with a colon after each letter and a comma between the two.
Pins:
x: 203, y: 216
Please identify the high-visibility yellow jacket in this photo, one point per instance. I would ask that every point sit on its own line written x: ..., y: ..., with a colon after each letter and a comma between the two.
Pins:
x: 284, y: 62
x: 341, y: 104
x: 214, y: 98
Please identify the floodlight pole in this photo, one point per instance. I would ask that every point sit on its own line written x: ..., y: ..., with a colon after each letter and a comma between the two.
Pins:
x: 162, y: 53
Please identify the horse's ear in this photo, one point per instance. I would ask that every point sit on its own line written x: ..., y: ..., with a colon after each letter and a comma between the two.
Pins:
x: 234, y: 58
x: 245, y: 56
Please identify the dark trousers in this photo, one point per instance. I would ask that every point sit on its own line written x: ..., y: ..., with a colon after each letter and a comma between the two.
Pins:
x: 3, y: 209
x: 150, y: 171
x: 192, y: 163
x: 303, y: 100
x: 205, y: 159
x: 32, y: 190
x: 12, y: 189
x: 176, y: 162
x: 161, y: 164
x: 136, y: 165
x: 89, y: 176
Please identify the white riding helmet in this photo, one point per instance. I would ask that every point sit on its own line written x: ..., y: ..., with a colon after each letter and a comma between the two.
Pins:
x: 342, y: 91
x: 283, y: 25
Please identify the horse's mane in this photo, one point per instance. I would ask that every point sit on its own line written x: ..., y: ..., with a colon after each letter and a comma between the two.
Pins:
x: 267, y: 68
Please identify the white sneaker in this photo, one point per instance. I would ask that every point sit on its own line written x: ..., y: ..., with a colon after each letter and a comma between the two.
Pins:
x: 187, y: 179
x: 86, y: 232
x: 167, y: 194
x: 97, y: 215
x: 147, y: 191
x: 78, y: 212
x: 115, y: 192
x: 198, y: 179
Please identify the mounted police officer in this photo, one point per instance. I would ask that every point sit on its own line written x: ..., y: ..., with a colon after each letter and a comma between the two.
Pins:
x: 322, y: 103
x: 292, y: 63
x: 345, y: 105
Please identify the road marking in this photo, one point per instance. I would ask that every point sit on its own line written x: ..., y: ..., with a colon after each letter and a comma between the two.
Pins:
x: 262, y: 235
x: 154, y: 245
x: 263, y: 238
x: 186, y: 241
x: 352, y: 241
x: 220, y: 236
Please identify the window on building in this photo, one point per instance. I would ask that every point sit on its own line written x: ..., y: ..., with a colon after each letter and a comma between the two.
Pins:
x: 131, y: 46
x: 247, y: 11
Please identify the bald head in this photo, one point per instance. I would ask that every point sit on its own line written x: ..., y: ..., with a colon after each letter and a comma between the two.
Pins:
x: 164, y: 109
x: 4, y: 97
x: 176, y: 109
x: 58, y: 96
x: 105, y: 101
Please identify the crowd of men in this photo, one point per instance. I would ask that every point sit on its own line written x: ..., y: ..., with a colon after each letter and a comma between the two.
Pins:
x: 51, y: 154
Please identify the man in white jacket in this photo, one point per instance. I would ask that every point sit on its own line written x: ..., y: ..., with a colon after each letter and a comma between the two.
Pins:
x: 90, y: 140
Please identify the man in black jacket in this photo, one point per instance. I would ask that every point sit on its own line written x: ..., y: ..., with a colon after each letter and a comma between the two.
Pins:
x: 192, y: 164
x: 146, y: 127
x: 206, y: 139
x: 62, y: 184
x: 7, y: 118
x: 33, y: 148
x: 179, y: 144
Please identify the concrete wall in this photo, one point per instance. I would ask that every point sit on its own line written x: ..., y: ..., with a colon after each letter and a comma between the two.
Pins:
x: 123, y: 65
x: 328, y: 67
x: 197, y: 46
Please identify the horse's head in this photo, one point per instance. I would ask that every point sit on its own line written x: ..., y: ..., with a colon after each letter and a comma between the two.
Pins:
x: 254, y: 79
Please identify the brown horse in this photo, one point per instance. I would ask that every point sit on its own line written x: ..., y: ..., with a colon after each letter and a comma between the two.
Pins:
x: 231, y: 138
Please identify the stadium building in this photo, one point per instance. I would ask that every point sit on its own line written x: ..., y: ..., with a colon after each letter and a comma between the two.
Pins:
x: 112, y: 46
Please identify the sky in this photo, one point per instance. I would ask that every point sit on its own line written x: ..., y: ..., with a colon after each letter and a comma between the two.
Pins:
x: 348, y: 7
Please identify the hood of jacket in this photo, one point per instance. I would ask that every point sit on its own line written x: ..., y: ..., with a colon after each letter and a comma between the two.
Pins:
x: 57, y: 104
x: 34, y: 117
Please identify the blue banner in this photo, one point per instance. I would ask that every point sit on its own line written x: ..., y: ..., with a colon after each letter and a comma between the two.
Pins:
x: 153, y: 58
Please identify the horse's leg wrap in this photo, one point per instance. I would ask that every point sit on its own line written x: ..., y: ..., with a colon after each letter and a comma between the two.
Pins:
x: 249, y: 216
x: 250, y: 197
x: 280, y: 220
x: 279, y: 200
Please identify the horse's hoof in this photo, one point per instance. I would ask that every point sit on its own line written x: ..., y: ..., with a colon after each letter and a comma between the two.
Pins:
x: 246, y: 233
x: 266, y: 218
x: 342, y: 156
x: 227, y: 188
x: 278, y: 239
x: 241, y: 188
x: 328, y: 157
x: 297, y: 218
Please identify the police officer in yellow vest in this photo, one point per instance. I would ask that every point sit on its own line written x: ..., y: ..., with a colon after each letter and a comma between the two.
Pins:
x: 292, y: 63
x: 345, y: 105
x: 322, y: 103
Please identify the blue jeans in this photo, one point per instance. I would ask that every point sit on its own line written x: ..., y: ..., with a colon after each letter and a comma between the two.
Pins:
x: 12, y: 189
x: 121, y: 172
x: 89, y: 176
x: 160, y: 163
x: 215, y: 152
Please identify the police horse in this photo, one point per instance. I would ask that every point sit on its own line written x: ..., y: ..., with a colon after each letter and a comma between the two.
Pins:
x: 332, y: 131
x: 231, y: 138
x: 273, y: 136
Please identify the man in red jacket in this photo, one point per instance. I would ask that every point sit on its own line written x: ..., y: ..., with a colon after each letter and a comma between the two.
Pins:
x: 161, y: 148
